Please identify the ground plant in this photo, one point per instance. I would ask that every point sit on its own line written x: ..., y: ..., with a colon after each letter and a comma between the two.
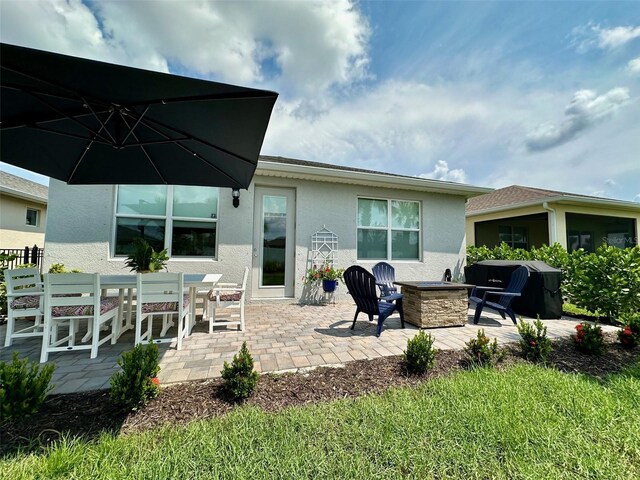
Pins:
x: 481, y: 351
x: 239, y: 377
x: 629, y: 334
x: 589, y: 339
x: 23, y: 387
x: 327, y: 271
x: 134, y: 385
x: 420, y: 356
x: 534, y: 342
x: 5, y: 259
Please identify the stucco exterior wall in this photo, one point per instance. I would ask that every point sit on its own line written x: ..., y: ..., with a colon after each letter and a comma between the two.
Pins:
x: 14, y: 231
x: 81, y: 224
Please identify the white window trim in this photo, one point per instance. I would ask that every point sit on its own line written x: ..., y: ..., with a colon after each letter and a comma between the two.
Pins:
x: 168, y: 226
x: 37, y: 224
x: 389, y: 229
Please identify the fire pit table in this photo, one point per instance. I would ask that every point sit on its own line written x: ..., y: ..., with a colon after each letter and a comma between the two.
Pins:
x: 435, y: 304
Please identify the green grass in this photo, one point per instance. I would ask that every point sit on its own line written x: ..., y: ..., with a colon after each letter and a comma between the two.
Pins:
x: 526, y: 422
x: 571, y: 309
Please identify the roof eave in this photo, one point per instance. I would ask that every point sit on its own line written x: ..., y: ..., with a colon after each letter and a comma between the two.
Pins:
x: 306, y: 172
x: 23, y: 195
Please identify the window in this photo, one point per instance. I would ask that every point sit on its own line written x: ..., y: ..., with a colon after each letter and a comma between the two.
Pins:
x: 515, y: 237
x: 179, y: 218
x: 32, y: 217
x: 388, y: 229
x: 580, y: 239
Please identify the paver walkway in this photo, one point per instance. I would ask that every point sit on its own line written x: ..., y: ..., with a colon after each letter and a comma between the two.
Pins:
x: 280, y: 336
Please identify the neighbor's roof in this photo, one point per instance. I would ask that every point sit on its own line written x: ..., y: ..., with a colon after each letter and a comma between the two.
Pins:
x: 516, y: 196
x: 23, y: 188
x: 305, y: 170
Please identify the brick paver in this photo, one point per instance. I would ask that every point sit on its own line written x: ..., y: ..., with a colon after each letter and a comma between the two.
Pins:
x: 280, y: 336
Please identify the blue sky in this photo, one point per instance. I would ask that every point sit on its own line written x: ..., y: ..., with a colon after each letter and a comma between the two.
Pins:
x: 544, y: 94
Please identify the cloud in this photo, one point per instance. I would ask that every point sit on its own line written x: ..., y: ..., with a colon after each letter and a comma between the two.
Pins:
x: 637, y: 198
x: 609, y: 182
x: 441, y: 171
x: 586, y: 37
x: 585, y: 110
x: 305, y: 46
x: 634, y: 65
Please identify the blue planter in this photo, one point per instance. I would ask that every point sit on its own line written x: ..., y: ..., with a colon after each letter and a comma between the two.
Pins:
x: 329, y: 285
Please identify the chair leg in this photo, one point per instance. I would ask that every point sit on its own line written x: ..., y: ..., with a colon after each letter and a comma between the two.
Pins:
x: 512, y: 315
x: 46, y: 338
x: 8, y: 340
x: 95, y: 339
x: 400, y: 311
x: 502, y: 315
x: 476, y: 316
x: 242, y: 314
x: 355, y: 318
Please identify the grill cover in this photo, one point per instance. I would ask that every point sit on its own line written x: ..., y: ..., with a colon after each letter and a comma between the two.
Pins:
x: 541, y: 295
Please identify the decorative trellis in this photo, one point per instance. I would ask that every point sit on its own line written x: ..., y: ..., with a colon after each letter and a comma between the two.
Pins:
x: 324, y: 247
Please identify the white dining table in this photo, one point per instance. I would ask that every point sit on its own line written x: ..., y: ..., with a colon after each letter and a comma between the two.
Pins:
x: 193, y: 281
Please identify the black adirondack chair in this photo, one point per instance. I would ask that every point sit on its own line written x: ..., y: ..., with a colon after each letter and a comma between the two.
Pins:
x: 499, y: 299
x: 362, y: 287
x: 385, y: 275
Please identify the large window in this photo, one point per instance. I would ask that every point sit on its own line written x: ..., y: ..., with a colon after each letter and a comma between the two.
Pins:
x: 515, y: 237
x: 388, y: 229
x: 181, y: 219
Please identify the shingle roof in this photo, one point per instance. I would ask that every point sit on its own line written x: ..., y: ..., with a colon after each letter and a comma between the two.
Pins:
x: 516, y: 195
x: 22, y: 185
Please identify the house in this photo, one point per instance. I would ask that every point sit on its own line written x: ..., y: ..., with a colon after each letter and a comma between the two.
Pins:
x: 416, y: 224
x: 23, y: 212
x: 525, y: 217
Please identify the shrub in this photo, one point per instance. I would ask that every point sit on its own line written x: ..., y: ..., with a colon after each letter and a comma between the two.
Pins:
x: 420, y: 355
x: 589, y: 338
x: 144, y: 258
x: 629, y: 335
x: 60, y: 268
x: 239, y: 378
x: 534, y: 342
x: 481, y: 351
x: 23, y: 387
x: 132, y: 387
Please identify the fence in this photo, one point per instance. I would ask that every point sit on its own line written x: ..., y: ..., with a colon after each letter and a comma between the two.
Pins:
x: 24, y: 255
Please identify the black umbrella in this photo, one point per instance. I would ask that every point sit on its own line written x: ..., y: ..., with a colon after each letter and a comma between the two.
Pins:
x: 88, y: 122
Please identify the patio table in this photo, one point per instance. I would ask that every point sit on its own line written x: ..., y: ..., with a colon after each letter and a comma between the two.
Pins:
x: 128, y: 282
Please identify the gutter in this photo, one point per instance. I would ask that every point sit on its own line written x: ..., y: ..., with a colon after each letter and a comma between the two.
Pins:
x: 23, y: 195
x: 553, y: 234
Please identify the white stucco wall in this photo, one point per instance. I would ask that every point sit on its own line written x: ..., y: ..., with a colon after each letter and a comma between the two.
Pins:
x: 14, y: 231
x: 81, y: 220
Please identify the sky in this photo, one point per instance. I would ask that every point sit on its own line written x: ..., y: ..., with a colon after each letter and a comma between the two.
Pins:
x: 543, y: 94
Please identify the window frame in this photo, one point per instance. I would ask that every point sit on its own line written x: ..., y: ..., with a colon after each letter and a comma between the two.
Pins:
x: 512, y: 242
x: 390, y: 229
x: 168, y: 219
x: 34, y: 225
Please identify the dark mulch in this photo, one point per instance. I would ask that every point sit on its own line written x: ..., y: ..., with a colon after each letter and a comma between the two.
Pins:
x: 92, y: 413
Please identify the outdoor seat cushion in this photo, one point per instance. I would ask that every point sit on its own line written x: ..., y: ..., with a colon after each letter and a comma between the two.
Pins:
x: 226, y: 297
x: 106, y: 304
x: 159, y: 307
x: 28, y: 301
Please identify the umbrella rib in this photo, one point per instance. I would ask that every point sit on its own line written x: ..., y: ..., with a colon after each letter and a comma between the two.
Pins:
x: 67, y: 134
x: 251, y: 95
x: 135, y: 124
x: 146, y: 154
x: 103, y: 124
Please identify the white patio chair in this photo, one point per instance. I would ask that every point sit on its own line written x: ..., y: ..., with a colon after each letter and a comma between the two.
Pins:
x: 70, y: 298
x: 226, y: 303
x: 24, y: 301
x: 161, y: 294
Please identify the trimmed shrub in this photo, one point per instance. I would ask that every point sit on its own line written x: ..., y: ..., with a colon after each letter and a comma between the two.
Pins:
x: 23, y: 387
x: 629, y: 335
x: 589, y: 339
x: 533, y: 340
x: 240, y: 379
x: 133, y: 386
x: 420, y: 355
x: 481, y: 351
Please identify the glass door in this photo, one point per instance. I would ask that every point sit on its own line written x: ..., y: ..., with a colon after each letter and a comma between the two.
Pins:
x: 273, y: 243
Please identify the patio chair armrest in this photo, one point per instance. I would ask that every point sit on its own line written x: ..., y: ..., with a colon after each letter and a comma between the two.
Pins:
x: 391, y: 297
x: 480, y: 287
x: 25, y: 294
x: 223, y: 285
x: 501, y: 294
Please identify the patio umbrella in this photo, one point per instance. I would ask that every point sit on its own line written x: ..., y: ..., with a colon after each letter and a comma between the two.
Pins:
x: 89, y: 122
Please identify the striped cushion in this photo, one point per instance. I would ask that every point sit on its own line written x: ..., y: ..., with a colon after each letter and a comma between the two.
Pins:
x: 165, y: 306
x: 227, y: 297
x: 28, y: 301
x: 106, y: 304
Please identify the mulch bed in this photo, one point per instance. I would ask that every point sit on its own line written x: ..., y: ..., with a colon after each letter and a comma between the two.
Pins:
x: 91, y: 413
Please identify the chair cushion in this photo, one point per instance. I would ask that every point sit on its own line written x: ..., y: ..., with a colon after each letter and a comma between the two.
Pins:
x: 28, y: 301
x: 165, y: 306
x: 227, y: 297
x: 106, y: 304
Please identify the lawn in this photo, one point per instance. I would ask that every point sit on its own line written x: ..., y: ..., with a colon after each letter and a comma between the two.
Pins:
x: 524, y: 422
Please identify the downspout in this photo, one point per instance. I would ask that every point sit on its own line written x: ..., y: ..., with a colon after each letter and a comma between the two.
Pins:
x: 553, y: 235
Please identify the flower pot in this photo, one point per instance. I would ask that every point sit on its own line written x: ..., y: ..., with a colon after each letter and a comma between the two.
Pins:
x: 329, y: 285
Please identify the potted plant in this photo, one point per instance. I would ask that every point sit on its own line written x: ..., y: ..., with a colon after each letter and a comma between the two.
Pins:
x: 327, y: 273
x: 144, y: 258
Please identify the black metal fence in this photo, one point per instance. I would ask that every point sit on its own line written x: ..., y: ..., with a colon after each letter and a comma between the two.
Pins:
x: 24, y: 255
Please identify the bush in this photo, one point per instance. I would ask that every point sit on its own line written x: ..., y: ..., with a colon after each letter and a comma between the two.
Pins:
x: 60, y: 268
x: 420, y: 355
x: 23, y: 387
x: 482, y: 352
x: 239, y: 378
x: 589, y: 338
x: 629, y: 335
x: 534, y: 342
x: 132, y: 387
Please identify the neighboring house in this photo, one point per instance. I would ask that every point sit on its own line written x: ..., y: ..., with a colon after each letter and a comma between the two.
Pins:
x: 414, y: 223
x: 525, y: 217
x: 23, y: 212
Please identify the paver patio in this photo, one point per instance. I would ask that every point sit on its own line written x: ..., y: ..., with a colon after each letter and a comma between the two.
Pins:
x: 280, y: 336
